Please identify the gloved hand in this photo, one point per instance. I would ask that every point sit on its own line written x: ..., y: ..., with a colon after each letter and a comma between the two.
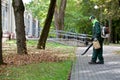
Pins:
x: 91, y: 39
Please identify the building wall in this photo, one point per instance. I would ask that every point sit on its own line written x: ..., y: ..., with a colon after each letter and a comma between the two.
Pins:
x: 8, y: 21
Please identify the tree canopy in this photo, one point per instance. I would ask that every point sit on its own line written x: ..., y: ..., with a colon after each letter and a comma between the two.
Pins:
x: 78, y: 11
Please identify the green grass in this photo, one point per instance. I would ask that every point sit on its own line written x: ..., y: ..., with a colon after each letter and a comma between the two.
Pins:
x: 48, y: 44
x: 111, y: 44
x: 57, y: 45
x: 41, y: 71
x: 32, y: 42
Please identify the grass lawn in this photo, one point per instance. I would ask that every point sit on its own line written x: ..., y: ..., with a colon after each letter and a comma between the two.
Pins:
x: 40, y: 71
x: 59, y: 70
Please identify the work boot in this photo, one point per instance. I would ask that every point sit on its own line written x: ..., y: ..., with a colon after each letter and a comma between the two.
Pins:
x: 92, y: 62
x: 99, y: 62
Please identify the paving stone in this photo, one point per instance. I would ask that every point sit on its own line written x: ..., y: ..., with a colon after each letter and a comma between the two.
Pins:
x: 81, y: 70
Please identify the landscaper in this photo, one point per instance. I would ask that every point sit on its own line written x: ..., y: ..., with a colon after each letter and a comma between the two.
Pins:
x: 96, y: 35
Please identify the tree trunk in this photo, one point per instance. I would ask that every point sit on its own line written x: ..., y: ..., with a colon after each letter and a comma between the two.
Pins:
x: 45, y: 31
x: 56, y: 21
x: 20, y: 26
x: 110, y: 28
x: 59, y: 16
x: 62, y: 13
x: 117, y: 38
x: 113, y: 36
x: 1, y: 59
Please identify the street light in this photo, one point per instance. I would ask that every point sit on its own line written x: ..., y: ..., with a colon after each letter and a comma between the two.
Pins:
x: 99, y: 7
x: 96, y: 7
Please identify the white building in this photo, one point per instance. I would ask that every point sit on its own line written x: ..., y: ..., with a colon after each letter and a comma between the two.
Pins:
x: 8, y: 21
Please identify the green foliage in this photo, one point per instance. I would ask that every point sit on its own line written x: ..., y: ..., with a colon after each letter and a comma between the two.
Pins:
x: 110, y: 8
x: 71, y: 16
x: 76, y: 17
x: 77, y: 12
x: 39, y: 9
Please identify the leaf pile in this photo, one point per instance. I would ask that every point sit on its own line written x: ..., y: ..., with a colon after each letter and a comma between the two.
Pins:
x: 35, y: 56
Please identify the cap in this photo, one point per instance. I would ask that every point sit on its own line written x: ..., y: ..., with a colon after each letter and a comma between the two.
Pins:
x: 91, y: 17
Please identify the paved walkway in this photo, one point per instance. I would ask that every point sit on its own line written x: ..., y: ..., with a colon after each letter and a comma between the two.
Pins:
x: 109, y: 71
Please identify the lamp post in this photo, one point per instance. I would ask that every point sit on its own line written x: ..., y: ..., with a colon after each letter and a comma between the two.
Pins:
x: 100, y: 15
x: 96, y: 7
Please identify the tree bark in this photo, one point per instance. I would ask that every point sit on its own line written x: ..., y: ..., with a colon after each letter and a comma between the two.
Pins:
x: 45, y: 31
x: 20, y: 26
x: 117, y: 38
x: 62, y: 13
x: 56, y: 20
x: 1, y: 58
x: 59, y: 16
x: 110, y: 29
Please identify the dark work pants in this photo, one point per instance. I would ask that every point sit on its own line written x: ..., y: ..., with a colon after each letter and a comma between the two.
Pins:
x: 98, y: 53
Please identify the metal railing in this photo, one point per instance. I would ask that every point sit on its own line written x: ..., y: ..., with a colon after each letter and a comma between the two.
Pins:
x: 63, y: 36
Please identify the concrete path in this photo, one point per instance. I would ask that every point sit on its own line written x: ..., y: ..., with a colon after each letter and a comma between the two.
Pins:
x: 81, y: 70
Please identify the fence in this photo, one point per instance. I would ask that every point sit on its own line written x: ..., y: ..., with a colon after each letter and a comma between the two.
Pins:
x: 69, y: 37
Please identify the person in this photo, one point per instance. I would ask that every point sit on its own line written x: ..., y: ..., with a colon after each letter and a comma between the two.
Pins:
x: 105, y: 34
x: 96, y: 35
x: 106, y: 39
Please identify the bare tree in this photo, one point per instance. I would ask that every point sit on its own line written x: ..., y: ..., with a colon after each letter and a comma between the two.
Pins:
x: 1, y: 59
x: 45, y: 31
x: 20, y: 26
